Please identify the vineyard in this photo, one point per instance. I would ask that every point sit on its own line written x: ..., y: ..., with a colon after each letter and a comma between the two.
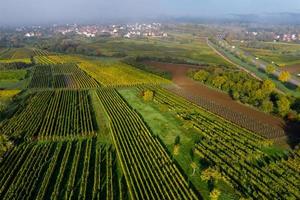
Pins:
x: 238, y: 154
x: 76, y: 136
x: 13, y: 65
x: 249, y: 123
x: 51, y: 115
x: 108, y: 73
x: 46, y: 59
x: 17, y: 53
x: 61, y: 76
x: 116, y: 74
x: 149, y: 171
x: 79, y: 169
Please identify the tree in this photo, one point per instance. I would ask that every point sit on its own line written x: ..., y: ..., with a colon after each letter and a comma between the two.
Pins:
x: 205, y: 163
x: 211, y: 184
x: 267, y: 106
x: 201, y: 75
x: 211, y: 173
x: 284, y: 76
x: 177, y: 140
x: 283, y: 106
x: 5, y: 144
x: 235, y: 95
x: 248, y: 87
x: 2, y: 107
x: 32, y: 60
x: 219, y: 81
x: 259, y: 94
x: 268, y: 86
x: 270, y: 69
x: 176, y: 145
x: 228, y: 85
x: 148, y: 95
x: 192, y: 154
x: 214, y: 195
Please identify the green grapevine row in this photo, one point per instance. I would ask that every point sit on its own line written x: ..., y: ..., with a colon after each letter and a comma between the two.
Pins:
x: 52, y: 115
x: 149, y: 170
x: 61, y: 76
x: 59, y: 170
x: 236, y: 152
x: 236, y: 117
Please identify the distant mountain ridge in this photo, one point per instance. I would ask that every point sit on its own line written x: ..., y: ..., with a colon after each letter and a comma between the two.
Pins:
x: 275, y: 18
x: 287, y: 18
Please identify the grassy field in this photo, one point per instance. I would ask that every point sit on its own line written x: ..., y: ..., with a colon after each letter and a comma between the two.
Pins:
x: 13, y: 79
x: 7, y: 84
x: 13, y: 75
x: 101, y: 119
x: 6, y: 97
x: 188, y: 48
x: 16, y: 54
x: 24, y: 60
x: 7, y: 94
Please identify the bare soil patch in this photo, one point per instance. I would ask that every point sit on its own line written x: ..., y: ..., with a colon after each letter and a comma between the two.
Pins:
x: 293, y: 69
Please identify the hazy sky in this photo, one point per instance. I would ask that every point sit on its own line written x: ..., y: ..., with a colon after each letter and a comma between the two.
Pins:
x: 43, y: 11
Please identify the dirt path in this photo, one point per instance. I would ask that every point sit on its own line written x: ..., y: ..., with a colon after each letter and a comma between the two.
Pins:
x: 179, y: 77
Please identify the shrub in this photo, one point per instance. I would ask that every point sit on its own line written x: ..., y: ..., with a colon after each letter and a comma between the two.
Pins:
x: 148, y: 95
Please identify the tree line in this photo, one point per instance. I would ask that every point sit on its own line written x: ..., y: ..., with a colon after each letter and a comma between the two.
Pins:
x: 246, y: 89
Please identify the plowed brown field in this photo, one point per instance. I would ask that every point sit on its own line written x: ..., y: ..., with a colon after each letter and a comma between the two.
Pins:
x: 180, y: 78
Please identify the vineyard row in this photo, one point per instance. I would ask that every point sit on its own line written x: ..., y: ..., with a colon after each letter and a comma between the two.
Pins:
x: 52, y: 115
x: 79, y: 169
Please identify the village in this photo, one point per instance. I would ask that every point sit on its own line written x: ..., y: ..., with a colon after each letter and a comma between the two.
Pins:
x: 114, y: 30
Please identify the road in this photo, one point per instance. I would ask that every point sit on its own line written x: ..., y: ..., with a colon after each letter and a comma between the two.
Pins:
x: 293, y: 80
x: 262, y: 65
x: 230, y: 61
